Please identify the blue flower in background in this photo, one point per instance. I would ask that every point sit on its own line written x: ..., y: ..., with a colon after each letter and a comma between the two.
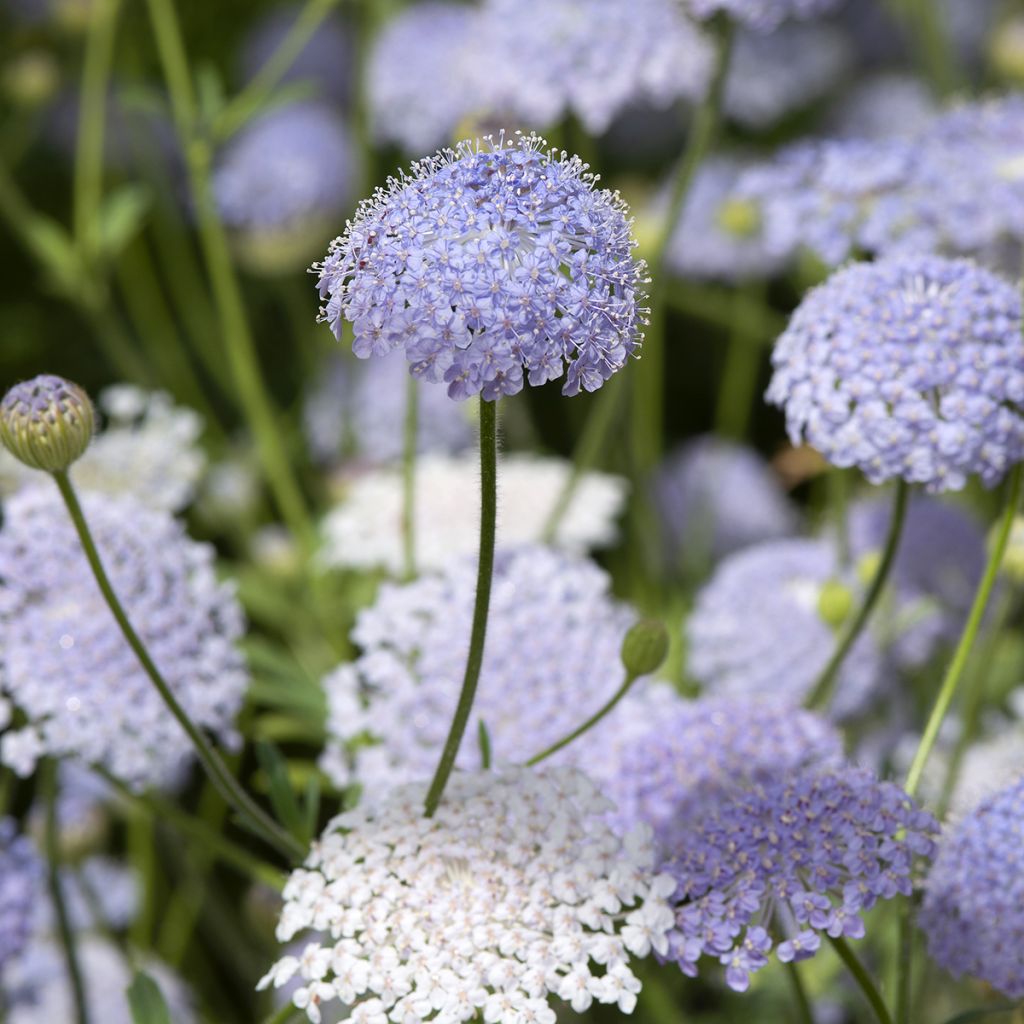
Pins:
x: 762, y: 15
x: 21, y: 886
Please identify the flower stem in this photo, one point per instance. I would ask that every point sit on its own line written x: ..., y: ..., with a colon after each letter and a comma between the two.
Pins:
x: 956, y: 667
x: 742, y: 365
x: 826, y: 681
x: 485, y: 572
x: 409, y: 477
x: 287, y: 1013
x: 649, y: 380
x: 53, y: 858
x: 803, y: 1004
x: 863, y: 979
x: 218, y: 772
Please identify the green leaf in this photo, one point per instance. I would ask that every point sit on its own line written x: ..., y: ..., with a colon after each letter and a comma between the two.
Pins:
x: 121, y: 217
x: 55, y: 248
x: 983, y: 1011
x: 146, y: 1001
x: 280, y: 791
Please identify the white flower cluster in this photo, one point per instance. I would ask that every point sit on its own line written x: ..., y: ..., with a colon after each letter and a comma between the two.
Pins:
x: 508, y: 895
x: 365, y: 530
x: 148, y: 450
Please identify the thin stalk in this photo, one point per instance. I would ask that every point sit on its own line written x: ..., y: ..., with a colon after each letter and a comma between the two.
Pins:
x: 863, y: 978
x: 742, y: 366
x: 838, y: 488
x: 277, y: 65
x: 412, y: 392
x: 649, y: 380
x: 142, y: 847
x: 803, y: 1005
x: 589, y: 446
x: 53, y: 859
x: 956, y: 667
x: 88, y: 176
x: 936, y: 54
x: 822, y: 690
x: 596, y: 717
x: 283, y: 1016
x: 218, y: 772
x: 905, y: 964
x: 485, y: 572
x: 234, y: 324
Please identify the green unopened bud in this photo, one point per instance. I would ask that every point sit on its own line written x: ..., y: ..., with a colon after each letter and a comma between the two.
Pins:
x: 1013, y: 558
x: 867, y: 566
x: 739, y: 217
x: 46, y: 422
x: 644, y: 648
x: 835, y: 602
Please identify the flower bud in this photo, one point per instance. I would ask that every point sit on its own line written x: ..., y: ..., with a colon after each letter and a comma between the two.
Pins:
x: 47, y: 422
x: 835, y: 602
x: 644, y: 648
x: 867, y: 566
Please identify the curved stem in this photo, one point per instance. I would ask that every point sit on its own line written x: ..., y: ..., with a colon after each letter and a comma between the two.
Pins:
x: 53, y: 858
x: 823, y: 687
x: 588, y: 724
x: 485, y: 572
x: 648, y: 404
x: 863, y: 979
x: 218, y: 772
x: 956, y: 667
x: 412, y: 393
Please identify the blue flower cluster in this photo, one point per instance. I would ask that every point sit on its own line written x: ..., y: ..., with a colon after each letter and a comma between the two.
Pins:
x: 775, y: 863
x: 909, y: 368
x: 973, y: 911
x: 21, y: 875
x: 491, y: 265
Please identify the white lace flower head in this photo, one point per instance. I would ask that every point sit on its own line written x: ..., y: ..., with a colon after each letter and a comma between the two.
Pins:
x: 510, y: 894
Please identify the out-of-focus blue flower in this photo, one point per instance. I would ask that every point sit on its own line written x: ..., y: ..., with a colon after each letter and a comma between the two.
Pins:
x: 357, y: 410
x: 775, y: 863
x: 773, y: 75
x: 21, y: 881
x: 64, y: 662
x: 325, y: 62
x: 973, y: 911
x: 488, y: 264
x: 716, y: 496
x: 719, y: 235
x: 909, y: 368
x: 551, y: 660
x: 765, y: 626
x: 885, y: 104
x: 762, y: 15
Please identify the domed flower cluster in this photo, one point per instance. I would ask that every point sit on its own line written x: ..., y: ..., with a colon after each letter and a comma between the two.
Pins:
x: 515, y: 891
x: 973, y: 912
x: 148, y: 449
x: 762, y: 15
x: 716, y: 496
x: 491, y: 265
x: 64, y: 662
x: 357, y: 410
x: 765, y: 625
x: 551, y: 659
x: 365, y: 530
x: 909, y: 368
x: 773, y: 864
x: 21, y: 880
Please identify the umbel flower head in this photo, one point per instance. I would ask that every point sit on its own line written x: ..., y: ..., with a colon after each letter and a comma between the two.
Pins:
x: 973, y: 912
x: 909, y: 368
x: 21, y: 885
x: 47, y: 422
x: 365, y: 530
x: 64, y: 661
x: 551, y: 660
x: 515, y: 891
x: 490, y: 265
x: 775, y: 863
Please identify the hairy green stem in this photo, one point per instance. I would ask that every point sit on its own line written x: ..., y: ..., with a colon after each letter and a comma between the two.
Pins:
x: 956, y: 667
x: 485, y: 572
x: 822, y: 690
x: 225, y: 782
x: 864, y: 980
x: 53, y: 860
x: 411, y: 433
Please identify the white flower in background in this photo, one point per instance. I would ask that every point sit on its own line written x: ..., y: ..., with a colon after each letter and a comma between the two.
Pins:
x: 516, y: 890
x: 365, y: 530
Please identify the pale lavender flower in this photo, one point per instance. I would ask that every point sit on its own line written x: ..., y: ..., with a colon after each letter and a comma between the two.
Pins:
x: 21, y: 885
x: 885, y: 104
x: 762, y: 15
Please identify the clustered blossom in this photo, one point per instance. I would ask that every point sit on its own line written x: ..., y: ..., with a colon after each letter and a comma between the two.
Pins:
x: 762, y: 15
x: 909, y: 368
x: 716, y: 496
x: 774, y: 864
x: 510, y: 894
x: 551, y: 660
x: 64, y: 662
x: 356, y: 411
x: 21, y: 880
x: 491, y: 265
x: 973, y: 911
x: 763, y: 626
x: 365, y: 530
x: 884, y: 104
